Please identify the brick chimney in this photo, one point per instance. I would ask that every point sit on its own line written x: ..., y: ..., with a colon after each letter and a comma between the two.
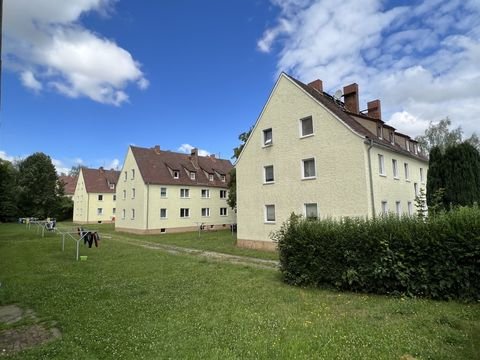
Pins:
x: 350, y: 97
x: 317, y: 85
x: 157, y: 149
x: 374, y: 109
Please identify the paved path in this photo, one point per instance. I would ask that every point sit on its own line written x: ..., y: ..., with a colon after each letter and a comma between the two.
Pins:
x: 172, y: 249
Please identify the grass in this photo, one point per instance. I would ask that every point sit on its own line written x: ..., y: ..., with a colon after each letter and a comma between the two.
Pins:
x: 127, y: 302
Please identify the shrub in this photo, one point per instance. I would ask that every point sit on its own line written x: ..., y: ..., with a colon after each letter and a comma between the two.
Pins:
x: 438, y: 257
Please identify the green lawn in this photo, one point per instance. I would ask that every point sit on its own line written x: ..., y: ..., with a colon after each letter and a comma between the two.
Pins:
x: 128, y: 302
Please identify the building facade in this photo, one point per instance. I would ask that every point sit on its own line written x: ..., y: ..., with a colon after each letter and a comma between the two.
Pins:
x: 312, y: 154
x: 94, y: 200
x: 163, y: 191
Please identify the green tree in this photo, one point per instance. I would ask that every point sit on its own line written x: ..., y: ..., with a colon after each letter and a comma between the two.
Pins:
x: 232, y: 184
x: 75, y: 170
x: 38, y: 190
x: 461, y: 165
x: 440, y: 135
x: 8, y: 191
x: 436, y: 174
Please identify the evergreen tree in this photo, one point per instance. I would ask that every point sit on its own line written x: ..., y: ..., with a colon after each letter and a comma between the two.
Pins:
x: 435, y: 178
x: 232, y: 185
x: 38, y: 187
x: 8, y: 191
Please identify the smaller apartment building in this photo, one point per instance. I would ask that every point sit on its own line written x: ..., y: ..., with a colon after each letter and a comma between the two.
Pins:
x: 163, y: 191
x: 94, y: 199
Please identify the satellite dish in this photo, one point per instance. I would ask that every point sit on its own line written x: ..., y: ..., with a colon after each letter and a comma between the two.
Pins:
x: 338, y: 95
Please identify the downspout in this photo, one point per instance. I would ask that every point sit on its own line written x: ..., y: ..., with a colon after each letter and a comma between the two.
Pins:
x: 372, y: 196
x: 88, y: 203
x: 148, y: 197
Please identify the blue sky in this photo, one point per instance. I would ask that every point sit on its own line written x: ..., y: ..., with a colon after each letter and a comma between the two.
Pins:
x: 83, y: 79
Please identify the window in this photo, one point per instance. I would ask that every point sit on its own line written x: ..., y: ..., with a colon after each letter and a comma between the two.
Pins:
x: 415, y: 189
x: 99, y: 211
x: 210, y: 177
x: 205, y: 212
x: 163, y: 192
x: 381, y: 165
x: 133, y: 193
x: 192, y: 175
x: 398, y: 208
x: 268, y: 172
x: 267, y: 137
x: 222, y: 177
x: 408, y: 145
x: 184, y: 212
x: 223, y: 194
x: 184, y: 193
x: 205, y: 193
x: 269, y: 213
x: 415, y: 149
x: 223, y: 211
x: 392, y: 137
x: 407, y: 171
x: 114, y: 210
x: 395, y: 168
x: 306, y: 126
x: 114, y: 197
x: 112, y: 186
x: 125, y: 176
x: 421, y: 175
x: 133, y: 174
x: 384, y: 208
x: 163, y: 213
x: 123, y: 214
x: 124, y: 194
x: 308, y: 168
x: 176, y: 174
x: 410, y: 208
x: 311, y: 211
x: 133, y: 214
x: 100, y: 197
x: 380, y: 131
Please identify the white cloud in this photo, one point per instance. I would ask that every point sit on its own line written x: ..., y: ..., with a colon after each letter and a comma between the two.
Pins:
x: 114, y: 164
x: 5, y: 156
x: 421, y: 60
x: 60, y: 167
x: 187, y: 148
x: 49, y: 47
x: 28, y: 80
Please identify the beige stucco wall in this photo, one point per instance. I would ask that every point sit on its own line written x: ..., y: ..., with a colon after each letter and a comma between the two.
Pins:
x: 148, y: 202
x: 340, y: 187
x: 86, y: 205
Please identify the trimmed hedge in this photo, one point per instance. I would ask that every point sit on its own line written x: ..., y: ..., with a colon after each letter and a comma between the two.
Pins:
x: 437, y: 258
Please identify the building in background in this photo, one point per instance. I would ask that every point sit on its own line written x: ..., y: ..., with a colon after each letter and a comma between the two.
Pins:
x: 69, y: 185
x: 162, y: 191
x: 316, y: 155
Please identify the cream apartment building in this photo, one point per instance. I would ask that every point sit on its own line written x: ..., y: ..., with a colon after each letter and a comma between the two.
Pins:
x: 318, y: 156
x: 162, y: 191
x: 94, y: 198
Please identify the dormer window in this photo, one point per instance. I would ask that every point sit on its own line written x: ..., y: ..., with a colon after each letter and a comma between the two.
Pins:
x: 380, y: 131
x: 415, y: 149
x: 267, y: 137
x: 192, y: 175
x: 392, y: 137
x: 210, y: 177
x: 112, y: 186
x: 176, y: 174
x: 222, y: 177
x: 408, y: 145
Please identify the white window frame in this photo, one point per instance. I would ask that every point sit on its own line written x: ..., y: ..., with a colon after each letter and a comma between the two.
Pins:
x: 223, y: 194
x: 166, y: 213
x: 176, y: 174
x: 395, y: 168
x: 224, y: 210
x: 184, y: 213
x: 100, y: 197
x: 99, y: 211
x: 314, y: 169
x: 124, y: 214
x: 410, y: 208
x: 125, y: 176
x: 210, y: 177
x: 406, y: 169
x: 184, y: 193
x: 205, y: 212
x: 302, y: 120
x: 265, y: 181
x: 222, y: 177
x: 267, y: 220
x: 114, y: 210
x: 114, y: 197
x: 398, y: 208
x: 124, y: 194
x: 133, y: 214
x: 267, y: 141
x: 381, y: 165
x: 133, y: 193
x: 205, y: 193
x: 192, y: 175
x: 384, y: 207
x: 163, y: 195
x: 305, y: 212
x: 133, y: 174
x: 416, y: 189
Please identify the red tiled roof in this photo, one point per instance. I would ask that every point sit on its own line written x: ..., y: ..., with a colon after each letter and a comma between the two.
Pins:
x: 100, y: 180
x: 155, y: 167
x: 336, y: 108
x: 69, y: 183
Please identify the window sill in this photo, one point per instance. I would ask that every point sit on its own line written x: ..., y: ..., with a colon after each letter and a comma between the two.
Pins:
x: 408, y: 180
x: 223, y: 215
x: 396, y: 178
x: 264, y: 146
x: 163, y: 218
x: 269, y: 222
x: 307, y: 136
x: 382, y: 175
x: 269, y: 182
x: 309, y: 178
x: 185, y: 217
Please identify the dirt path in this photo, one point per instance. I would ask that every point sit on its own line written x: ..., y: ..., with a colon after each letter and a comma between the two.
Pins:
x: 172, y: 249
